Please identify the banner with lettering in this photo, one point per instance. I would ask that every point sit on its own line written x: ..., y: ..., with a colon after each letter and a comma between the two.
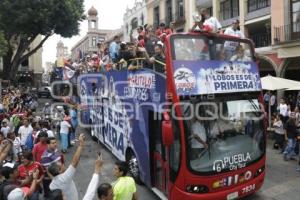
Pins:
x: 212, y: 77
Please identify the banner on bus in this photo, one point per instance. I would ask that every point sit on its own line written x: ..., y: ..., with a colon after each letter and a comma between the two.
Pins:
x: 212, y: 77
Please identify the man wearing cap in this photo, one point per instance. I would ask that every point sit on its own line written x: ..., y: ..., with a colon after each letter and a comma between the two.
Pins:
x: 51, y: 155
x: 233, y: 30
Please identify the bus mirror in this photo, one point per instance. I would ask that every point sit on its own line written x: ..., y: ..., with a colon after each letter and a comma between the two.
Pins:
x: 167, y: 133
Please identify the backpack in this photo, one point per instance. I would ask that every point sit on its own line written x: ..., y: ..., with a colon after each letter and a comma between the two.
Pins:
x: 29, y: 142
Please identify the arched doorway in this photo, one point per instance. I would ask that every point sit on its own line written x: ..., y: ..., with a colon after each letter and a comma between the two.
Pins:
x: 266, y: 67
x: 291, y: 70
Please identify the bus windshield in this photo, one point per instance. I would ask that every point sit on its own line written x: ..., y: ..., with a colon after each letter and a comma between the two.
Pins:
x: 223, y: 135
x: 197, y: 48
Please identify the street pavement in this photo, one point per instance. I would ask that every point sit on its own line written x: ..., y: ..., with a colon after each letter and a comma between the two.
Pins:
x: 281, y: 182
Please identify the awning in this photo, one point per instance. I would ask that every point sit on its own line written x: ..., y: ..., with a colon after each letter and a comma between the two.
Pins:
x: 289, y: 52
x: 275, y: 83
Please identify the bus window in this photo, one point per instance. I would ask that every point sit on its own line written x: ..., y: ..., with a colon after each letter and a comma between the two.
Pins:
x: 238, y: 52
x: 217, y: 135
x: 191, y: 49
x: 199, y: 48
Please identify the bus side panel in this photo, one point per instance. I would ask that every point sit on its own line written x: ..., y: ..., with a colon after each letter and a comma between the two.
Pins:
x: 125, y: 100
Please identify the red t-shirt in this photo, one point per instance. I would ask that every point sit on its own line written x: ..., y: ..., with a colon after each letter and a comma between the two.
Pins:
x: 25, y: 171
x: 38, y: 151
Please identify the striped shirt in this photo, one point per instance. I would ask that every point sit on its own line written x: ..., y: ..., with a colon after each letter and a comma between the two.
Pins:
x: 50, y: 157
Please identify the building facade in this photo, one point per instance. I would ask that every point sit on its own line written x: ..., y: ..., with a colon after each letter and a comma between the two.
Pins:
x: 134, y: 17
x: 89, y: 43
x: 34, y: 65
x: 61, y: 50
x: 274, y: 27
x: 178, y: 12
x: 118, y: 32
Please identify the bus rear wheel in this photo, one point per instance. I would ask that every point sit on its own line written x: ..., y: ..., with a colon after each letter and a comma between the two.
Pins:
x: 134, y: 168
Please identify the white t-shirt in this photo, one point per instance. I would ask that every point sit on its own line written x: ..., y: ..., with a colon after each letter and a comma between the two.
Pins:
x: 236, y: 33
x: 283, y: 110
x: 230, y: 45
x: 5, y: 130
x: 213, y: 23
x: 198, y: 129
x: 272, y: 100
x: 17, y: 146
x: 65, y: 183
x: 64, y: 127
x: 24, y: 132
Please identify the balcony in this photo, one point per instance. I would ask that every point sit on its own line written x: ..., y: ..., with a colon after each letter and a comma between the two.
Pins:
x: 254, y: 5
x: 261, y: 40
x: 179, y: 19
x: 287, y: 33
x: 258, y: 8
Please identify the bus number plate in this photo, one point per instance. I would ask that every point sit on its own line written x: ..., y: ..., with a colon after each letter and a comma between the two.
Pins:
x: 232, y: 196
x: 249, y: 188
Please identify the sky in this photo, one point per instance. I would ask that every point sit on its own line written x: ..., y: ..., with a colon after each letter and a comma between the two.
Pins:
x: 110, y: 14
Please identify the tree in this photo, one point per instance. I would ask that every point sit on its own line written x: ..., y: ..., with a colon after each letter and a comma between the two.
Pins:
x: 22, y: 21
x: 3, y: 44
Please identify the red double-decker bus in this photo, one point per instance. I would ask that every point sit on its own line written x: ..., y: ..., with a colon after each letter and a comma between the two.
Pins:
x: 196, y: 131
x: 214, y: 130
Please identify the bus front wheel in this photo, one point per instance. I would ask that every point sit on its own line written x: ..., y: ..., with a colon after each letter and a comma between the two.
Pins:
x: 133, y: 167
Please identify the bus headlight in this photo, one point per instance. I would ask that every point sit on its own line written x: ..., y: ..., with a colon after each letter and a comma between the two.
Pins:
x: 259, y: 171
x: 197, y: 189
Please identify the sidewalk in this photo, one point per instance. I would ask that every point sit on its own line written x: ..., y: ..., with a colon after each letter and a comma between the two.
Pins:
x: 282, y: 180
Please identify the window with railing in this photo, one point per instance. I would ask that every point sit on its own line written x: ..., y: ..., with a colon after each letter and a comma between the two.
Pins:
x: 134, y: 23
x: 156, y: 16
x: 142, y: 19
x: 94, y: 42
x: 180, y: 9
x: 254, y: 5
x: 261, y: 40
x: 295, y: 12
x: 229, y: 9
x: 210, y: 11
x: 169, y: 8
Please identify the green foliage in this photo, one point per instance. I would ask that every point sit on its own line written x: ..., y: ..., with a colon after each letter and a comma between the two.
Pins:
x: 32, y: 17
x: 23, y: 20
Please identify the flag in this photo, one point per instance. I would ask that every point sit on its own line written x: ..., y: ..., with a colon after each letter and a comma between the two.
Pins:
x: 68, y: 72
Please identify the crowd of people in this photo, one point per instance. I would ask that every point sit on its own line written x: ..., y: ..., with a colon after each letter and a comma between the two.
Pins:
x: 31, y: 164
x: 286, y: 123
x: 147, y: 49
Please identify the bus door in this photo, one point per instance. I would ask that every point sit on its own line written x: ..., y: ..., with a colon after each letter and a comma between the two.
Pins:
x: 158, y: 154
